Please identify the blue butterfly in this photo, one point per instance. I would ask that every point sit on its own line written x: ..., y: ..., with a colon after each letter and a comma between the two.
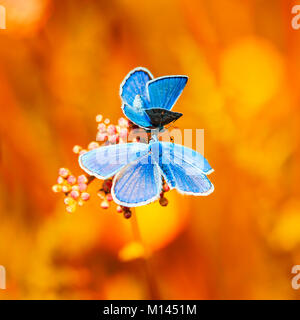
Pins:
x: 139, y: 168
x: 147, y: 102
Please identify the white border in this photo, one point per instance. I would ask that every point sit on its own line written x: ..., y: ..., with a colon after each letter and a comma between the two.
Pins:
x: 208, y: 192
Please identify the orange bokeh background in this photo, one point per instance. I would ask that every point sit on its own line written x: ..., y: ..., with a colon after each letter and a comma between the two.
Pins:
x: 61, y: 64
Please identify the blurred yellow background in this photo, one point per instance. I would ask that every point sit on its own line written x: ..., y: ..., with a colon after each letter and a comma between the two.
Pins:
x: 61, y: 63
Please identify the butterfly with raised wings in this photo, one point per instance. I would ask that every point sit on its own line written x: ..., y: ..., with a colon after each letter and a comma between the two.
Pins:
x: 139, y: 168
x: 147, y: 102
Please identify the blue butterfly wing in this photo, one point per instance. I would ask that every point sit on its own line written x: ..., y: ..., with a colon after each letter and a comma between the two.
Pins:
x: 134, y: 84
x: 138, y: 183
x: 185, y: 154
x: 104, y: 162
x: 164, y: 91
x: 180, y: 172
x: 139, y: 117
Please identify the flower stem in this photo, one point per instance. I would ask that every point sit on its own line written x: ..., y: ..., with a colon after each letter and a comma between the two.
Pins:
x: 90, y: 179
x: 149, y: 274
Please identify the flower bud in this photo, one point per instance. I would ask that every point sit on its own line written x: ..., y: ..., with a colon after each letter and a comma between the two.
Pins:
x: 60, y: 180
x: 127, y: 214
x: 77, y: 149
x: 99, y: 117
x: 56, y: 188
x: 113, y: 138
x: 101, y: 127
x: 82, y: 187
x: 163, y: 201
x: 104, y: 204
x: 101, y: 136
x: 85, y: 196
x: 65, y: 188
x: 74, y: 194
x: 166, y: 187
x: 69, y: 201
x: 71, y: 208
x: 82, y: 179
x: 109, y: 197
x: 63, y: 172
x: 71, y: 179
x: 111, y: 129
x: 93, y: 145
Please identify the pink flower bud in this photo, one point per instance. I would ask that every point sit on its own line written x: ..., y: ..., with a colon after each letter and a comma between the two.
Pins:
x: 104, y: 204
x: 82, y: 187
x: 123, y: 122
x: 85, y: 196
x: 123, y: 133
x: 60, y: 180
x: 82, y: 179
x: 109, y: 197
x: 101, y: 136
x: 71, y: 179
x: 101, y: 127
x: 63, y: 172
x: 111, y: 129
x: 74, y: 194
x: 93, y: 145
x: 166, y: 188
x: 113, y: 138
x: 119, y: 209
